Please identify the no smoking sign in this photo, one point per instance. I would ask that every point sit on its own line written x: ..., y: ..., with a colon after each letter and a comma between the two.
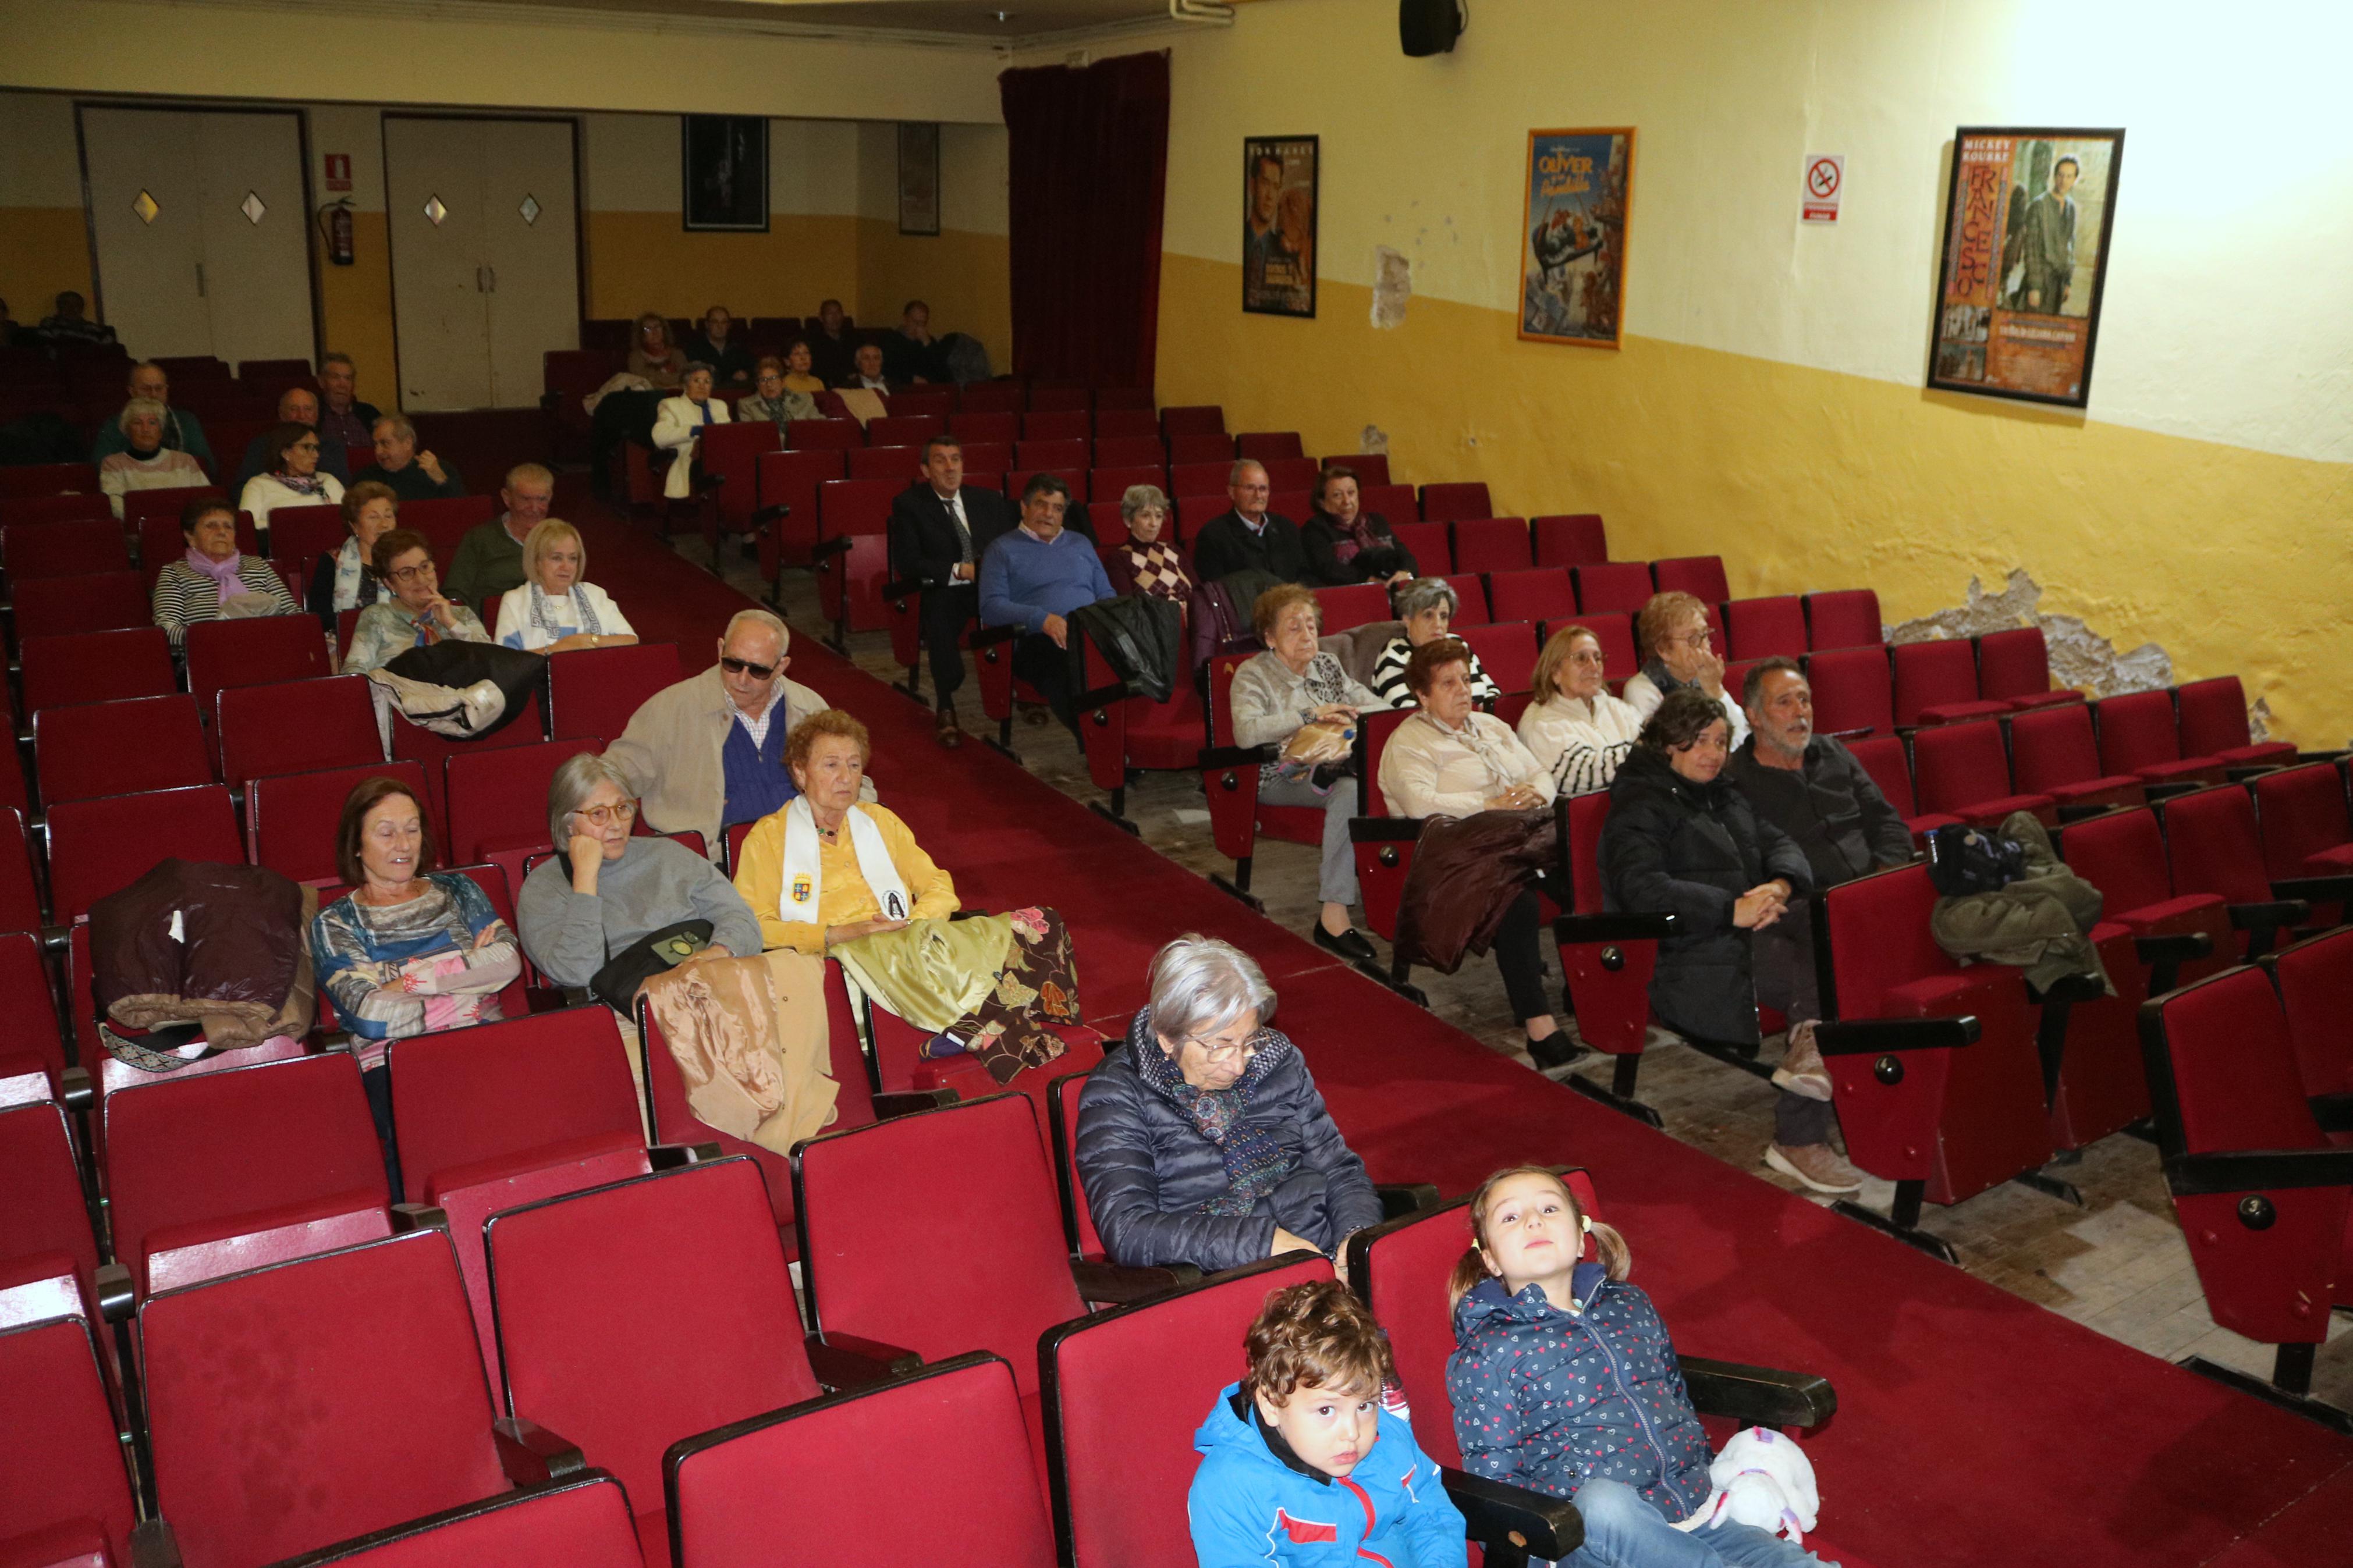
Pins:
x: 1825, y: 181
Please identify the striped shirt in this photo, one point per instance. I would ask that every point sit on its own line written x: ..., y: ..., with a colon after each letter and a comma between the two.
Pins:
x: 185, y: 596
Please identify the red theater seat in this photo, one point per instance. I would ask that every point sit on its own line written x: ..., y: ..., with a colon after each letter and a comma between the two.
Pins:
x: 2052, y: 752
x: 1359, y: 604
x: 1543, y: 593
x: 1370, y: 468
x: 1130, y: 452
x: 1491, y: 544
x: 2211, y: 846
x: 209, y: 1174
x: 2306, y: 823
x: 390, y: 1401
x: 1201, y: 447
x: 1193, y: 419
x: 2014, y: 665
x: 1962, y: 770
x: 296, y: 727
x: 2254, y: 1177
x: 903, y: 429
x: 1449, y: 502
x: 789, y: 480
x: 98, y: 846
x: 99, y: 602
x: 579, y: 1279
x: 1074, y: 452
x: 596, y: 690
x: 1430, y: 544
x: 1570, y: 539
x: 112, y: 748
x: 98, y: 666
x: 828, y: 1454
x: 1937, y: 683
x: 997, y: 425
x: 1765, y: 628
x: 826, y: 434
x: 1701, y: 576
x: 497, y: 800
x: 1852, y: 696
x: 253, y: 653
x: 1125, y: 423
x: 1058, y: 425
x: 2315, y: 981
x: 898, y: 464
x: 39, y: 550
x: 1269, y: 445
x: 581, y: 1522
x: 65, y: 1495
x: 291, y: 820
x: 1847, y: 617
x: 1612, y: 586
x: 1125, y: 1391
x: 2213, y: 724
x: 2138, y: 735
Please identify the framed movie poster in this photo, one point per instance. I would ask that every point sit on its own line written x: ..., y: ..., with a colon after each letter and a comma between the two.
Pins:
x: 1573, y: 260
x: 1279, y: 225
x: 2027, y: 219
x: 726, y: 172
x: 919, y: 178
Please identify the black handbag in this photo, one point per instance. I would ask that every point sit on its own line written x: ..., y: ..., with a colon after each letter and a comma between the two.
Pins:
x: 1964, y: 860
x: 617, y: 983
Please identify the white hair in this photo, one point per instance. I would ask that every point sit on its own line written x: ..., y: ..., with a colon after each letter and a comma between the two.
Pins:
x: 1424, y: 594
x: 1200, y: 984
x: 136, y: 408
x: 574, y: 783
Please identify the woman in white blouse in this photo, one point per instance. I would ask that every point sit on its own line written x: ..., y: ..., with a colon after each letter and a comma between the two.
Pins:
x: 1576, y: 730
x: 292, y: 477
x: 678, y: 427
x: 555, y: 611
x: 1451, y: 760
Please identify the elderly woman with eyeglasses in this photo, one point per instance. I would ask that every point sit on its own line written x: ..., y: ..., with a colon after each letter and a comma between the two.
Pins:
x: 1147, y: 561
x: 1426, y: 607
x: 1204, y: 1142
x: 608, y: 889
x: 416, y: 616
x: 1673, y: 632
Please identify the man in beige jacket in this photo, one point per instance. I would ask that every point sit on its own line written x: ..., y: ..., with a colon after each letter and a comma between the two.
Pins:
x: 708, y: 751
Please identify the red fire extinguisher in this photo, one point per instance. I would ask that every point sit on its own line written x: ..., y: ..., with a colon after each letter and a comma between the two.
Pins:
x: 335, y: 223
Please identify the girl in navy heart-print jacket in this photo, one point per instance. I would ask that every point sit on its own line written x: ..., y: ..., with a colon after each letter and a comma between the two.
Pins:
x: 1563, y: 1381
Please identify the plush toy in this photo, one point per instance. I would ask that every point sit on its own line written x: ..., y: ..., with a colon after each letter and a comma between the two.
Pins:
x: 1761, y: 1478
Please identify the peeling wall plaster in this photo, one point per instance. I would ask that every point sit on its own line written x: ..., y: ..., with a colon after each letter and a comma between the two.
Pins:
x: 2080, y: 657
x: 1392, y: 287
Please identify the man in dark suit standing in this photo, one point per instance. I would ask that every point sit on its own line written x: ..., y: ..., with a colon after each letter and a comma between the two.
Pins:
x: 938, y: 531
x: 1249, y: 536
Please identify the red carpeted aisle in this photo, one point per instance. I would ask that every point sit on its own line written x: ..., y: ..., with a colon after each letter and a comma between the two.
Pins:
x: 1973, y: 1426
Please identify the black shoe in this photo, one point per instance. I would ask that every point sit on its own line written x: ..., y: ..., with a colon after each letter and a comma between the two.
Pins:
x: 1349, y: 944
x: 1555, y: 1050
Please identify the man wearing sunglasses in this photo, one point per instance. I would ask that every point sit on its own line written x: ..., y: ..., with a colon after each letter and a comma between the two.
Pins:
x: 710, y: 751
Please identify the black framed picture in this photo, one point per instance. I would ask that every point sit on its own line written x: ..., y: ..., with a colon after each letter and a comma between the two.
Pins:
x: 2027, y: 215
x: 725, y: 159
x: 1279, y: 195
x: 919, y: 178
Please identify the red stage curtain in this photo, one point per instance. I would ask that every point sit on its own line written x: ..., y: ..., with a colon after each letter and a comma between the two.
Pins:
x: 1088, y: 159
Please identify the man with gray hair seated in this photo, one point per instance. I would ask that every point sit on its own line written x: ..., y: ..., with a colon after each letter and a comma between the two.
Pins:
x: 1204, y: 1142
x: 606, y: 888
x: 413, y: 475
x: 710, y: 751
x: 1249, y: 536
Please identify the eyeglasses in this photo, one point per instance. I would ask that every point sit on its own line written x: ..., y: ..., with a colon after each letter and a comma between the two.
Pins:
x: 605, y: 815
x: 416, y: 574
x: 745, y: 666
x: 1231, y: 1051
x: 306, y: 445
x: 1698, y: 639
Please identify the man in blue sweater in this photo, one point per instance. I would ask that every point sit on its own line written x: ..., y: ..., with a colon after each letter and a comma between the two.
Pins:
x: 1033, y: 578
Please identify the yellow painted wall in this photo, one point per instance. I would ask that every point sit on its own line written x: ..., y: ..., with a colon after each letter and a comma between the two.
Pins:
x: 645, y: 261
x: 1767, y: 404
x: 43, y: 252
x: 966, y: 278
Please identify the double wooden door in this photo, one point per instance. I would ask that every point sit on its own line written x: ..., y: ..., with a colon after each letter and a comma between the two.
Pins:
x: 485, y: 260
x: 201, y: 229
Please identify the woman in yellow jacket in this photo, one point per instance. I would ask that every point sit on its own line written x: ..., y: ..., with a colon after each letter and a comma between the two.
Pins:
x: 830, y: 875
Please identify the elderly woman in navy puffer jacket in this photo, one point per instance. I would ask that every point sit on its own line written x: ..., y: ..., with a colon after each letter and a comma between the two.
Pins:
x: 1204, y: 1141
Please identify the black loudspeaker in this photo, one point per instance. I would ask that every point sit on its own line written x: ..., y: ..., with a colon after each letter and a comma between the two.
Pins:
x: 1428, y: 27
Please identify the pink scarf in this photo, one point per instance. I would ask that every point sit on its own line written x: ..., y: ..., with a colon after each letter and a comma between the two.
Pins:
x: 222, y: 572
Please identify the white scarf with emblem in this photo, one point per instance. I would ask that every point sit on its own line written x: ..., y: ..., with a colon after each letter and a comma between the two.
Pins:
x: 803, y: 882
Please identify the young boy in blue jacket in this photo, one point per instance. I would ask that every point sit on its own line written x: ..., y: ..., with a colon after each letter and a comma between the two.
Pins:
x: 1300, y: 1464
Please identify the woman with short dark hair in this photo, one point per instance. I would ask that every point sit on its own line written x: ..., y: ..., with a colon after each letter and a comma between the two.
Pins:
x: 214, y: 580
x: 1682, y: 841
x: 1344, y: 543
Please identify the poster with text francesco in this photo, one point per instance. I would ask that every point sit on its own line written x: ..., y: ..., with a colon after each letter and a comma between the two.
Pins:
x: 1573, y: 250
x: 2027, y: 220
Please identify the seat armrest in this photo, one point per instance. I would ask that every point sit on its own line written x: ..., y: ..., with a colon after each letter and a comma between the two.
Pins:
x: 1104, y: 696
x: 2081, y: 811
x: 54, y: 938
x: 1759, y: 1395
x: 904, y: 1101
x: 551, y: 401
x: 772, y: 511
x: 1399, y: 1199
x: 902, y: 588
x: 2256, y: 1170
x: 989, y: 636
x: 673, y: 1156
x: 2068, y: 988
x: 1384, y: 830
x: 115, y: 1295
x: 1214, y: 757
x: 1119, y: 1283
x: 1613, y: 928
x: 531, y: 1454
x: 153, y: 1545
x: 2333, y: 1111
x: 406, y: 1217
x: 1862, y: 734
x: 2156, y: 791
x: 2321, y: 756
x: 1513, y: 1523
x: 2269, y: 916
x: 825, y: 548
x: 1869, y: 1036
x: 77, y: 1089
x: 2175, y: 947
x: 2314, y: 889
x: 843, y: 1361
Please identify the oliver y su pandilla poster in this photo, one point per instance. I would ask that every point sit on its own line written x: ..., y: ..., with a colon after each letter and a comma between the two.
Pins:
x: 1573, y: 253
x: 2027, y: 222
